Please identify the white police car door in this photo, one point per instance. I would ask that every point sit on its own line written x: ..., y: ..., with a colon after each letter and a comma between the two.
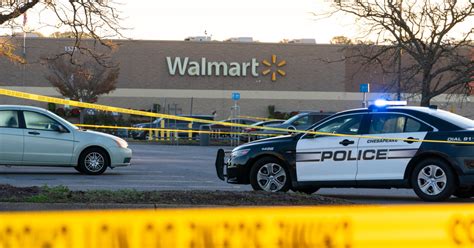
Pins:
x: 385, y: 157
x: 329, y: 158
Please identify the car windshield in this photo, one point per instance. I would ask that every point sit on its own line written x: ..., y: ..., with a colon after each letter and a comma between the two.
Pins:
x: 319, y: 122
x: 260, y: 123
x: 292, y: 119
x: 457, y: 120
x: 273, y: 122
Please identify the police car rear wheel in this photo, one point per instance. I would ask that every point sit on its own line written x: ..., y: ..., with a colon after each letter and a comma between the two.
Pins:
x: 433, y: 180
x: 269, y: 174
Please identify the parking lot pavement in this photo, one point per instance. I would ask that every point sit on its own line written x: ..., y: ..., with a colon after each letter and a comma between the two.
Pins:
x: 154, y: 167
x: 162, y: 167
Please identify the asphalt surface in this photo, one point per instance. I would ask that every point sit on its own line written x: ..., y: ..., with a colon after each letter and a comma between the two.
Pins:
x: 162, y: 167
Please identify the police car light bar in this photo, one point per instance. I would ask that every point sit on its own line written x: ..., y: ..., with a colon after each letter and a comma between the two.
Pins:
x: 384, y: 103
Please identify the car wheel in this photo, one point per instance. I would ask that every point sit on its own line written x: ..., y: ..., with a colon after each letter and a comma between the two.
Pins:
x: 269, y: 174
x: 433, y: 180
x: 464, y: 192
x: 308, y: 190
x: 93, y: 161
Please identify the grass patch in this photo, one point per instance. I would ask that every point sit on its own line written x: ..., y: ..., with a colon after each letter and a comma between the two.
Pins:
x: 62, y: 194
x: 50, y: 194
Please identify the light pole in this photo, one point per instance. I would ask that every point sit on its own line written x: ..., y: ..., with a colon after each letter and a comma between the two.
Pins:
x: 399, y: 79
x: 399, y: 76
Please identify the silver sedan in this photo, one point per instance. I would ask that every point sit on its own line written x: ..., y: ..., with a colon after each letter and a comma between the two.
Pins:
x: 33, y: 136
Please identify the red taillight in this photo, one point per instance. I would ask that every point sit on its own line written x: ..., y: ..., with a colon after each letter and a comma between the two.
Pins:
x: 248, y: 129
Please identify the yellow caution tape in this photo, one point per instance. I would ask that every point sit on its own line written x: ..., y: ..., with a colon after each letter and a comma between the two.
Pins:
x: 170, y: 130
x: 414, y: 226
x: 40, y: 98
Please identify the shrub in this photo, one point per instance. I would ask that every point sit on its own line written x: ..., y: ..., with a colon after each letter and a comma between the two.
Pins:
x: 52, y: 107
x: 61, y: 112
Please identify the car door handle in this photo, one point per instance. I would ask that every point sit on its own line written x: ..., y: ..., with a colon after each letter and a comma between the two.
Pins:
x: 410, y: 140
x: 34, y: 133
x: 346, y: 142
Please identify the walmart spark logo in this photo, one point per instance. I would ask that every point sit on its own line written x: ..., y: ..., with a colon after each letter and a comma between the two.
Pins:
x: 273, y: 68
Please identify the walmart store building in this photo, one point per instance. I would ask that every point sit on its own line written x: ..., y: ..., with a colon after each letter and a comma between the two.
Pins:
x: 185, y: 76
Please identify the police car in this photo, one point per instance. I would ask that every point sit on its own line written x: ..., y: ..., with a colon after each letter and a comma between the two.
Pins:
x: 375, y: 147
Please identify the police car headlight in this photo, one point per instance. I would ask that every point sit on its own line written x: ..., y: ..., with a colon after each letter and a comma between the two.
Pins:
x: 240, y: 153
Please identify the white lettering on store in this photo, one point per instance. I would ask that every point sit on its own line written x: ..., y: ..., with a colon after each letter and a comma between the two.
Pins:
x: 182, y: 67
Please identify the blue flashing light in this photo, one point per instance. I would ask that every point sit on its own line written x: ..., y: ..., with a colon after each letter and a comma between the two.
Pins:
x: 384, y: 103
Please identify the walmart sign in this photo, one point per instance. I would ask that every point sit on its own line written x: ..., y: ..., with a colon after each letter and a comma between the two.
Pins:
x: 187, y: 67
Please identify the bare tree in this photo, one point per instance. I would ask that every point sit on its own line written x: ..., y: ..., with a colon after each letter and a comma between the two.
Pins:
x: 98, y: 19
x: 81, y: 81
x: 7, y: 50
x: 433, y: 38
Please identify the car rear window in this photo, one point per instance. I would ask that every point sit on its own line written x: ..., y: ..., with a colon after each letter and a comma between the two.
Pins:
x: 455, y: 119
x: 9, y: 118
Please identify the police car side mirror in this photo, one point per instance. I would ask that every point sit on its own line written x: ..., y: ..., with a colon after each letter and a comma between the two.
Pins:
x: 313, y: 136
x: 291, y: 128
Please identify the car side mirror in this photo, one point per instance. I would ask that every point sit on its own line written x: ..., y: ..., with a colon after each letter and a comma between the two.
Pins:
x: 291, y: 128
x: 58, y: 128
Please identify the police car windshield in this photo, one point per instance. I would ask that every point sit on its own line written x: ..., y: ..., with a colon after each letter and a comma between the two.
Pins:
x: 455, y: 119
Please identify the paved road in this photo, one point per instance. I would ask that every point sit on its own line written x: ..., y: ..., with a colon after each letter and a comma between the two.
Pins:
x: 160, y: 167
x: 154, y: 167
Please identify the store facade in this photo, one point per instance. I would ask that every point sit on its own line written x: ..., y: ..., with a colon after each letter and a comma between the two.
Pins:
x: 199, y: 77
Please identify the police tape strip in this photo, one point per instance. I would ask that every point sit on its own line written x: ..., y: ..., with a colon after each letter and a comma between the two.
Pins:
x: 170, y: 130
x: 277, y: 227
x: 40, y: 98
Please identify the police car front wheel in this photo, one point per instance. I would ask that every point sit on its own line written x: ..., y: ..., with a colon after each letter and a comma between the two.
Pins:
x: 433, y: 180
x: 269, y: 174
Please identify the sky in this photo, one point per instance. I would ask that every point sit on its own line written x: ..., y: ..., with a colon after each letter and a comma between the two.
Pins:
x: 264, y: 20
